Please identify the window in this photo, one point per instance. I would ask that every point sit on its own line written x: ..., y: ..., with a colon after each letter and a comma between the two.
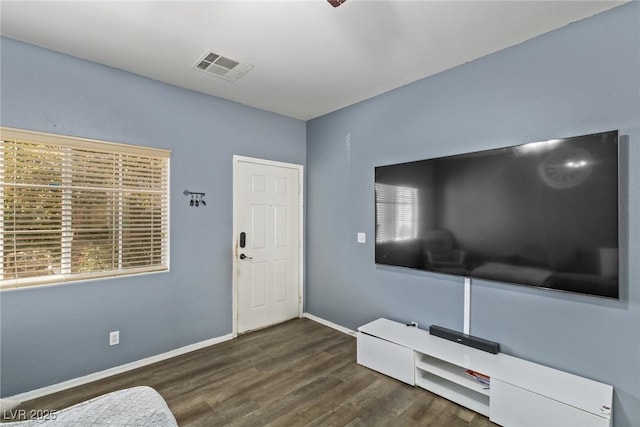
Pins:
x: 73, y: 209
x: 396, y: 213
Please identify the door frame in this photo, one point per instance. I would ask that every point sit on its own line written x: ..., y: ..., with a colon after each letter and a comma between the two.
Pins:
x: 237, y: 159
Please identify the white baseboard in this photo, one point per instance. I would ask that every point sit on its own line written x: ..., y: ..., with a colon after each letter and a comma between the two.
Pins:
x: 54, y: 388
x: 329, y: 324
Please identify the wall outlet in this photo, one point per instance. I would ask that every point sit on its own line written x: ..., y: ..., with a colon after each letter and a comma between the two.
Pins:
x: 114, y: 337
x: 361, y: 238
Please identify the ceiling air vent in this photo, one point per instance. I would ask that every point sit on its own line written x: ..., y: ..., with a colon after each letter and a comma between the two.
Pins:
x: 221, y: 66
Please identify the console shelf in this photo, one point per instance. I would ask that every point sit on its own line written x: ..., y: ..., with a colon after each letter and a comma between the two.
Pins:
x: 448, y: 372
x: 521, y: 393
x: 455, y: 392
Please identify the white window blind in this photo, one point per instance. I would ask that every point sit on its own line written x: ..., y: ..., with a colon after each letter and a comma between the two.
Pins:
x: 396, y: 213
x: 73, y: 209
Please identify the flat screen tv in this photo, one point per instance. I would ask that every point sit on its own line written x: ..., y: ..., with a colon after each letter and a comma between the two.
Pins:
x: 542, y: 214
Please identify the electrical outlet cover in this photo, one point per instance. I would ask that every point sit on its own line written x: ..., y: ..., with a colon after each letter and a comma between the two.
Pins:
x: 114, y: 338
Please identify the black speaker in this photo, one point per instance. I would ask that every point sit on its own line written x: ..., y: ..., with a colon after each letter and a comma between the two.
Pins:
x: 468, y: 340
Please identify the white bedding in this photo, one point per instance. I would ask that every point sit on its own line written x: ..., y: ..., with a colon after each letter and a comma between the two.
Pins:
x: 132, y: 407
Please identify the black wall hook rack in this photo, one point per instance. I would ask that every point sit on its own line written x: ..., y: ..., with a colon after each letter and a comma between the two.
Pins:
x: 197, y: 198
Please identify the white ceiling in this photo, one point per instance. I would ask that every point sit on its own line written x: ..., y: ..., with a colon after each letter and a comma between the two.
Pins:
x: 309, y: 58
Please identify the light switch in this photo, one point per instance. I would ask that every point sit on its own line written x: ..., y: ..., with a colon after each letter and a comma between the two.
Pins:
x: 362, y: 238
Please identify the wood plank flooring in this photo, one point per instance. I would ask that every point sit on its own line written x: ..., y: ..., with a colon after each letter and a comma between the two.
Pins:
x: 299, y: 373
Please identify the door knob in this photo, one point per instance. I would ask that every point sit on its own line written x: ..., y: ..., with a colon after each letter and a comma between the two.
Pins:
x: 243, y: 256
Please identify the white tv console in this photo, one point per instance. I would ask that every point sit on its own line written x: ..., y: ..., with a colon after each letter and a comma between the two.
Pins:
x: 521, y: 393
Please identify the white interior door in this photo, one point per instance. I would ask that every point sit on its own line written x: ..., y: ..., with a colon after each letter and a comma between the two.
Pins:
x: 267, y: 254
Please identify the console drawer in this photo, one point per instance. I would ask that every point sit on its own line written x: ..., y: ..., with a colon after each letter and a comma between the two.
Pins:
x: 515, y: 406
x: 386, y: 357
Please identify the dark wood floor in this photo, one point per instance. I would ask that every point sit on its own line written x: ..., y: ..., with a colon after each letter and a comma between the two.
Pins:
x: 299, y: 373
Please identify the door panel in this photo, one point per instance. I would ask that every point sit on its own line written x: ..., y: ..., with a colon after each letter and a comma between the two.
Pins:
x: 281, y: 229
x: 258, y: 285
x: 267, y: 210
x: 281, y: 270
x: 258, y: 226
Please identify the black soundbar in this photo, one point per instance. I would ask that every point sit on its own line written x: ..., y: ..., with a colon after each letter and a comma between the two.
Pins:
x: 468, y: 340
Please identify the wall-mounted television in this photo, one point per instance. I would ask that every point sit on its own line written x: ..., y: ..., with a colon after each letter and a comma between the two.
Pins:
x: 541, y: 214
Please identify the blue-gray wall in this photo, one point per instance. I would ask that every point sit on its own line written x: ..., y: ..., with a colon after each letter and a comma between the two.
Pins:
x: 53, y: 333
x: 580, y: 79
